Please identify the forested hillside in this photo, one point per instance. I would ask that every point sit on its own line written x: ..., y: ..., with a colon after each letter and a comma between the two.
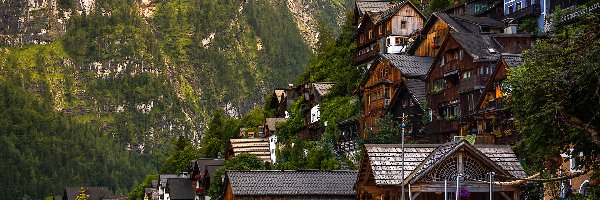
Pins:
x: 94, y: 91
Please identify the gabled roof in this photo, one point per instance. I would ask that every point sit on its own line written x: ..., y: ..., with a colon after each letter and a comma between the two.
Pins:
x: 508, y: 60
x: 278, y: 94
x: 364, y: 6
x: 410, y: 66
x: 446, y: 150
x: 164, y: 177
x: 272, y: 122
x: 457, y: 24
x: 180, y: 188
x: 93, y: 193
x: 260, y: 183
x: 386, y: 159
x: 389, y: 13
x: 478, y: 46
x: 209, y: 164
x: 323, y: 87
x: 416, y: 87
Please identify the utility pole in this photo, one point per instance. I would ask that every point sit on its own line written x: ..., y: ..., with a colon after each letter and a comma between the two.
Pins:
x: 402, y: 146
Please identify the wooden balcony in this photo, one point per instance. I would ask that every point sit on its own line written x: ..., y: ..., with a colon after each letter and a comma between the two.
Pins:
x: 473, y: 83
x: 451, y: 68
x: 443, y: 126
x: 360, y: 59
x: 531, y: 10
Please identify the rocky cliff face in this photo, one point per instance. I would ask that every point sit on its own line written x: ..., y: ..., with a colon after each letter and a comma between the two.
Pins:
x: 147, y: 70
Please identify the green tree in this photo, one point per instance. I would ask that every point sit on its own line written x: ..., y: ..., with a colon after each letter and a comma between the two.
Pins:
x: 437, y: 5
x: 182, y: 154
x: 139, y: 189
x: 388, y: 132
x: 555, y: 95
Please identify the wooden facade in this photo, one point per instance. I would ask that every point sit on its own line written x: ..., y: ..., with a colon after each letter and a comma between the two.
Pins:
x: 494, y: 120
x: 427, y: 166
x: 434, y: 33
x: 403, y: 20
x: 453, y: 84
x: 377, y: 92
x: 393, y: 85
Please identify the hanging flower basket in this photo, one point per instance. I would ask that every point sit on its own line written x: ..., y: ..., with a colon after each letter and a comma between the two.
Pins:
x: 464, y: 193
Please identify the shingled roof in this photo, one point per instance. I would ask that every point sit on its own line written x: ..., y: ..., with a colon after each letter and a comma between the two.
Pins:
x: 416, y: 87
x: 364, y: 6
x: 512, y: 60
x: 92, y: 193
x: 410, y: 66
x: 272, y: 122
x: 480, y: 47
x: 389, y: 13
x: 386, y: 159
x: 323, y: 87
x: 256, y: 183
x: 180, y: 188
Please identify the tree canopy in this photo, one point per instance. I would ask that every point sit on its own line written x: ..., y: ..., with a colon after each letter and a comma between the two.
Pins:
x: 555, y: 96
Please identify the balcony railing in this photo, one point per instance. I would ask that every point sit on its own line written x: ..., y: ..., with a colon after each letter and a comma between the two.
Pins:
x: 450, y: 68
x: 531, y: 10
x: 359, y: 59
x: 473, y: 83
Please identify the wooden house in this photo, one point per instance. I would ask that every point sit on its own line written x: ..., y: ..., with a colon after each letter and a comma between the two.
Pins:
x: 393, y: 85
x: 255, y: 146
x: 461, y: 68
x: 270, y: 127
x: 92, y: 193
x: 289, y: 185
x: 347, y: 143
x: 387, y: 31
x: 578, y: 182
x: 478, y: 8
x: 362, y: 7
x: 313, y: 93
x: 201, y: 171
x: 277, y: 103
x: 494, y: 120
x: 429, y: 169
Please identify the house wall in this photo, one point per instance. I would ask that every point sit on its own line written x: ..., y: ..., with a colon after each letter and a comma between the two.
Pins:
x: 413, y: 20
x: 459, y: 95
x: 287, y: 197
x: 378, y: 92
x: 575, y: 183
x: 439, y: 29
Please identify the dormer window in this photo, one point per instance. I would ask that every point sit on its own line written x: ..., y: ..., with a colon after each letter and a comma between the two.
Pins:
x: 403, y: 24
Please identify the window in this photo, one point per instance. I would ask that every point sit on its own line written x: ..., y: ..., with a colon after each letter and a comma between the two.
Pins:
x: 362, y: 38
x: 402, y: 24
x: 380, y: 30
x: 370, y: 34
x: 442, y: 62
x: 461, y: 54
x: 386, y: 71
x: 519, y: 5
x: 510, y: 9
x: 388, y: 26
x: 436, y: 40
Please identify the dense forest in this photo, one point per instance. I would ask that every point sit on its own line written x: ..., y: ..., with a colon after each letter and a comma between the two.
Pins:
x: 103, y: 103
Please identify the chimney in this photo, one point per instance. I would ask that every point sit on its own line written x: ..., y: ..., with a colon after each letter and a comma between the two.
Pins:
x: 511, y: 29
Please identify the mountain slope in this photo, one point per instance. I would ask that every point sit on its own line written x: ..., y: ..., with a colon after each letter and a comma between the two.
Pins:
x: 142, y: 72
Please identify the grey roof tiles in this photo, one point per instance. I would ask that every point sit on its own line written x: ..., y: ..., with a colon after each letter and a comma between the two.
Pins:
x: 292, y: 182
x: 410, y: 65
